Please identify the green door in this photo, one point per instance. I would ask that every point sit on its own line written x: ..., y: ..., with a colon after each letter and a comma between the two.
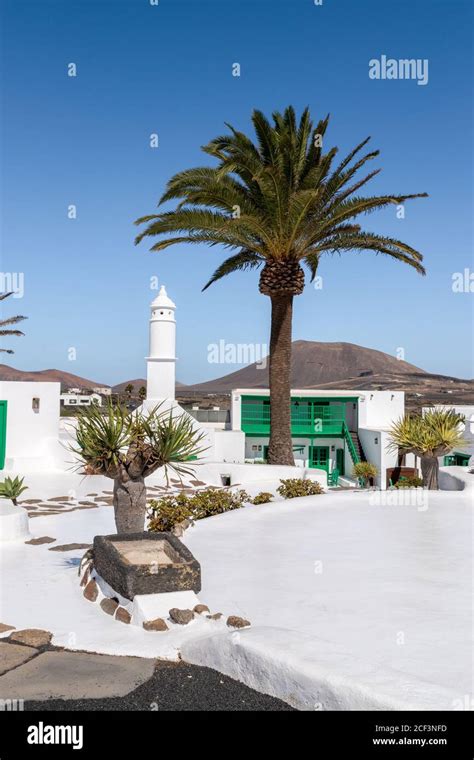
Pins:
x: 340, y: 461
x: 320, y: 457
x: 3, y: 432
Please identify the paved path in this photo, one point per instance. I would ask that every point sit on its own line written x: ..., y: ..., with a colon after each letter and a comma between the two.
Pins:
x: 47, y: 678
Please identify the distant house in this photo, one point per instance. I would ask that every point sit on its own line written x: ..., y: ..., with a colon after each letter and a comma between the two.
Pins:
x: 80, y: 399
x: 104, y: 390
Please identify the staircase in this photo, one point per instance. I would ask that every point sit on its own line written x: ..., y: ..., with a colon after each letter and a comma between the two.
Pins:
x: 354, y: 445
x: 357, y: 446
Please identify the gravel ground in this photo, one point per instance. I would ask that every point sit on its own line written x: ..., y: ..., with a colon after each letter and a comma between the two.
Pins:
x: 177, y: 686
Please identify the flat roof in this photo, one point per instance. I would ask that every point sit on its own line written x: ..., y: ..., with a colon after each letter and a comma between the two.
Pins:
x: 314, y: 392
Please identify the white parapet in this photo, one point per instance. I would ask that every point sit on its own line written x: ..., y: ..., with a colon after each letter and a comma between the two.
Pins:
x: 14, y: 525
x: 151, y: 606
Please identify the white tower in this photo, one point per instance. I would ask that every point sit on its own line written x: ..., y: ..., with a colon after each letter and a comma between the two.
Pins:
x: 161, y: 363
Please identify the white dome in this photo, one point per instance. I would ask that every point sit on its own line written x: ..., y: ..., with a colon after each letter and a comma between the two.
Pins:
x: 162, y: 300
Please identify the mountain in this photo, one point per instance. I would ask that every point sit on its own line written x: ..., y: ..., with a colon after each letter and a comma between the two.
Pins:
x: 67, y: 379
x: 316, y: 363
x: 137, y: 384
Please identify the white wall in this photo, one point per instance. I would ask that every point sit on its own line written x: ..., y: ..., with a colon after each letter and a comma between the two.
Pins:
x: 379, y: 409
x: 229, y: 446
x: 30, y: 433
x: 375, y: 443
x: 255, y: 477
x: 301, y: 459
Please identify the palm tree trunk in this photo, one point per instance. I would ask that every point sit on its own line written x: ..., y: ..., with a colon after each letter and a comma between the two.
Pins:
x: 280, y: 449
x: 429, y: 472
x: 130, y: 505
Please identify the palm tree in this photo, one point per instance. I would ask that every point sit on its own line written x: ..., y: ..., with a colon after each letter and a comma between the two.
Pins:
x: 430, y: 436
x: 142, y: 393
x: 277, y: 203
x: 129, y: 390
x: 128, y: 448
x: 10, y: 321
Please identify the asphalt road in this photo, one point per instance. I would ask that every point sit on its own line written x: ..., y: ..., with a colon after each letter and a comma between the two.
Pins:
x: 175, y: 687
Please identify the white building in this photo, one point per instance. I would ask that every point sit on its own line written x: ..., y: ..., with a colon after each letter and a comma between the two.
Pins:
x: 331, y: 430
x: 104, y: 390
x: 80, y: 399
x: 29, y: 426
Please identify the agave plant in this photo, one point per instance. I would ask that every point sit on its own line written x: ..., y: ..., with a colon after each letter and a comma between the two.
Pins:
x: 12, y: 488
x: 4, y: 324
x: 430, y: 436
x: 128, y: 448
x: 277, y: 203
x: 366, y: 471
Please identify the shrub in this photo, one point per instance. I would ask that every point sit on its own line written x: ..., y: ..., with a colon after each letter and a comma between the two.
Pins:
x: 366, y: 471
x: 409, y: 482
x: 12, y: 488
x: 262, y: 498
x: 291, y: 488
x: 169, y: 511
x: 214, y: 501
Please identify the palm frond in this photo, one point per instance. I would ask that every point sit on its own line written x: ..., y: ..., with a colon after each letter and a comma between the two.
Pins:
x: 292, y: 202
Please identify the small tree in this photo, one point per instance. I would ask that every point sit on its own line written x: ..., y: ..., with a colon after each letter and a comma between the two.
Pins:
x: 433, y: 435
x: 128, y: 448
x: 366, y: 471
x: 129, y: 390
x: 142, y: 393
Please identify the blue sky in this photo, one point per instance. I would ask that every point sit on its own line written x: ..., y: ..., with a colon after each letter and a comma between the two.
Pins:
x: 167, y: 69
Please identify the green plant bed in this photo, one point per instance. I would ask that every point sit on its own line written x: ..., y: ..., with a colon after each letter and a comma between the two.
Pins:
x: 409, y: 482
x: 165, y: 513
x: 291, y: 488
x: 262, y: 498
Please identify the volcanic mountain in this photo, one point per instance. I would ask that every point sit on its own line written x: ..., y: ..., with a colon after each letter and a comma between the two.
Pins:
x: 314, y: 364
x: 67, y: 379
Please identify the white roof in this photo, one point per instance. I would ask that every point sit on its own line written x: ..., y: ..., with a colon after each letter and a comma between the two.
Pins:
x: 163, y: 300
x: 301, y: 392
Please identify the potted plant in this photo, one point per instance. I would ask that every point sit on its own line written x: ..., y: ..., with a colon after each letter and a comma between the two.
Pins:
x: 365, y: 472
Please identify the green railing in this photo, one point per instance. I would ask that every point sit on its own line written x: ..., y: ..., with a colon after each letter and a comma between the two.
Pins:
x: 350, y: 444
x: 306, y: 419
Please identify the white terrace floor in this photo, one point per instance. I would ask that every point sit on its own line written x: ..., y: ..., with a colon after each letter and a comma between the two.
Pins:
x: 353, y: 605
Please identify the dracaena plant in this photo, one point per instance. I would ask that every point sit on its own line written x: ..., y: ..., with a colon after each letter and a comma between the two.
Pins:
x: 430, y: 436
x: 278, y: 204
x: 129, y: 448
